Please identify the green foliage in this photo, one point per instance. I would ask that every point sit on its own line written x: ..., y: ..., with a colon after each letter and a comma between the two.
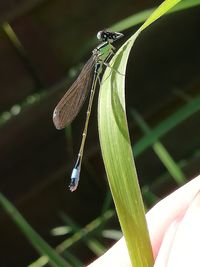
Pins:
x: 167, y: 124
x: 162, y: 153
x: 140, y: 17
x: 118, y: 158
x: 117, y: 152
x: 40, y: 245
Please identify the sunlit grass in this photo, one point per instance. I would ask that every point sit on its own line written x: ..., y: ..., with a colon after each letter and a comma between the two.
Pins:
x: 117, y: 151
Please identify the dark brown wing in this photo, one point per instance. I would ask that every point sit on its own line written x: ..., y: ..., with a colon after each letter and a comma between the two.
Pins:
x: 71, y: 103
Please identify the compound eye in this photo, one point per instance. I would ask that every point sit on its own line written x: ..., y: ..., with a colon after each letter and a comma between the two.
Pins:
x: 99, y: 35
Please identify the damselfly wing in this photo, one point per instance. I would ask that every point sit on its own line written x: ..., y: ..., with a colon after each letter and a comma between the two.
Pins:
x: 71, y: 103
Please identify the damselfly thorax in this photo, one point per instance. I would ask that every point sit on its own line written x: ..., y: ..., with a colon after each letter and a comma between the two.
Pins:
x: 71, y: 103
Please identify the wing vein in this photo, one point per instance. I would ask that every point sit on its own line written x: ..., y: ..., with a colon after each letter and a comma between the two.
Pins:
x: 71, y: 103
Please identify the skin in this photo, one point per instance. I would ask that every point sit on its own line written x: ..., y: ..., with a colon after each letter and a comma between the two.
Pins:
x: 174, y: 228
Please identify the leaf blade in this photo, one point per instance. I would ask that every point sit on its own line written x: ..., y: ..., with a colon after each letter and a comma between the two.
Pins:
x: 117, y: 152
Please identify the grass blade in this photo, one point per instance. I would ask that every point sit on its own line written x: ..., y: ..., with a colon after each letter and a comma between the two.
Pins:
x: 117, y: 152
x: 40, y: 245
x: 162, y: 152
x: 166, y: 125
x: 140, y: 17
x: 78, y: 236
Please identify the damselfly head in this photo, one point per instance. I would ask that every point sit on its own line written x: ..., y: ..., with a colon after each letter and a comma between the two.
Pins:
x: 106, y: 36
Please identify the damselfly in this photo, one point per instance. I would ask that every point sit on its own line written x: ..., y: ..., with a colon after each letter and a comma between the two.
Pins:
x: 71, y: 103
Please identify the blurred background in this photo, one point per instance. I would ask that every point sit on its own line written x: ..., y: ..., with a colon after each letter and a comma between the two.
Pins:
x: 43, y: 45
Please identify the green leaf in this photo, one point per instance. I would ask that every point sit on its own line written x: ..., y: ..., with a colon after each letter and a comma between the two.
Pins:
x: 117, y: 151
